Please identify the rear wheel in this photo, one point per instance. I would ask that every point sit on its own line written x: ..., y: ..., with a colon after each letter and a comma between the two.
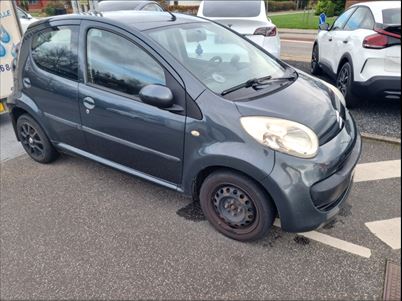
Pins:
x: 344, y: 82
x: 34, y: 140
x: 315, y: 66
x: 236, y: 206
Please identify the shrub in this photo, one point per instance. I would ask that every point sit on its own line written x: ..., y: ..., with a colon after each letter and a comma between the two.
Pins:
x: 49, y: 10
x: 330, y: 8
x: 281, y: 5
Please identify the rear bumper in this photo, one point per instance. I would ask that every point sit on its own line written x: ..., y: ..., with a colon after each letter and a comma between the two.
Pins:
x: 380, y: 86
x: 313, y: 193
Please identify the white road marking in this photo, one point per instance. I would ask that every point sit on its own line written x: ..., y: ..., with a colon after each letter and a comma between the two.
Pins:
x: 334, y: 242
x: 378, y: 171
x: 389, y: 231
x: 297, y: 41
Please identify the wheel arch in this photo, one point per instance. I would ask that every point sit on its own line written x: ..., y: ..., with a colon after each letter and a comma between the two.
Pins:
x: 345, y: 58
x: 204, y: 173
x: 25, y: 106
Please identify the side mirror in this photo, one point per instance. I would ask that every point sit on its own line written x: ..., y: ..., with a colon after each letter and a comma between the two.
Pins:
x: 29, y: 17
x: 324, y: 26
x: 156, y: 95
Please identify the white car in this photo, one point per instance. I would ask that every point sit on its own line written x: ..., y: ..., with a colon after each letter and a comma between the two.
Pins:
x: 362, y: 51
x: 25, y: 19
x: 248, y: 18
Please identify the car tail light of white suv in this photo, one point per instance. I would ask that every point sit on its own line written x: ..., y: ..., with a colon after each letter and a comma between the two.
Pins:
x: 381, y: 39
x: 266, y: 31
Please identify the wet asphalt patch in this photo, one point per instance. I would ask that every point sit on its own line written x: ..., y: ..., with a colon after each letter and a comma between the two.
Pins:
x: 301, y: 240
x: 192, y: 212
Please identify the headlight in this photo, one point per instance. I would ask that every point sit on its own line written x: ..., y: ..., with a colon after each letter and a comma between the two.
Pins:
x: 282, y: 135
x: 336, y: 91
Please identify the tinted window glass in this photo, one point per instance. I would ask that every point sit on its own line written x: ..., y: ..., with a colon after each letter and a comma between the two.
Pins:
x: 232, y: 8
x: 391, y: 16
x: 118, y: 64
x: 361, y: 19
x: 55, y: 51
x: 341, y: 21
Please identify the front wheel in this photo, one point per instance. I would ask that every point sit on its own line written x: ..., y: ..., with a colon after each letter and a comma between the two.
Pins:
x: 344, y: 82
x: 236, y: 206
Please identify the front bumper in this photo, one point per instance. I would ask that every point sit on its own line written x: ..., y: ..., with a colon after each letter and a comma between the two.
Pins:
x: 388, y: 87
x: 309, y: 192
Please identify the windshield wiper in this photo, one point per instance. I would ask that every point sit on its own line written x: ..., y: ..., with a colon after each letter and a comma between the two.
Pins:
x: 255, y: 82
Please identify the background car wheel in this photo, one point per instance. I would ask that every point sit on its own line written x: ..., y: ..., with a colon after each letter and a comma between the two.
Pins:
x: 315, y: 66
x: 34, y: 140
x: 236, y: 206
x: 344, y: 83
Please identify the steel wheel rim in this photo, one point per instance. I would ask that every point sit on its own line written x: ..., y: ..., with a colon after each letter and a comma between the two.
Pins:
x: 31, y: 140
x: 234, y: 207
x: 343, y: 80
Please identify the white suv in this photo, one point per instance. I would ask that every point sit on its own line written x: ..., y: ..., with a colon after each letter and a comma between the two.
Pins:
x: 248, y: 18
x: 362, y: 51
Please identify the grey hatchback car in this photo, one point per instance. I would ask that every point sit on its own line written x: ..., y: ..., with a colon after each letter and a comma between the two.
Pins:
x: 191, y: 105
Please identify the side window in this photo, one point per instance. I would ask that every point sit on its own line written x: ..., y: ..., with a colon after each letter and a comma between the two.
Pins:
x: 124, y: 68
x: 55, y: 51
x: 361, y: 19
x: 342, y: 19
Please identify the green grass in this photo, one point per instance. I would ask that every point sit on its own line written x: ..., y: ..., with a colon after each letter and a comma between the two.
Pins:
x: 298, y: 21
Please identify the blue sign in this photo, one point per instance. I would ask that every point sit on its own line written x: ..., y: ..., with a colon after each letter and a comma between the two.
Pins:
x: 323, y: 19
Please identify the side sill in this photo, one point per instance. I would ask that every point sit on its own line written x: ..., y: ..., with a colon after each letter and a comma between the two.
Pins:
x: 74, y: 150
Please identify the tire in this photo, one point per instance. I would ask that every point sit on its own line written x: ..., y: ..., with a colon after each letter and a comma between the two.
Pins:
x: 344, y: 83
x: 236, y: 206
x: 34, y: 140
x: 315, y: 68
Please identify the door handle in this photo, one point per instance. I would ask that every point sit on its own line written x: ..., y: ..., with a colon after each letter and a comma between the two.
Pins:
x: 26, y: 82
x: 330, y: 39
x: 89, y: 103
x: 345, y: 41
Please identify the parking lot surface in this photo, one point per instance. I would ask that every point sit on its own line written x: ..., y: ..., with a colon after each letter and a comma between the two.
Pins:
x: 78, y: 230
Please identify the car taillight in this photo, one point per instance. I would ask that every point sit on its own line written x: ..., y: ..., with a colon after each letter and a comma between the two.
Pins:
x: 381, y: 39
x: 266, y: 31
x: 376, y: 41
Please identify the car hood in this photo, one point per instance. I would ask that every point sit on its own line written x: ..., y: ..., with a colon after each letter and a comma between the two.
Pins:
x: 307, y: 101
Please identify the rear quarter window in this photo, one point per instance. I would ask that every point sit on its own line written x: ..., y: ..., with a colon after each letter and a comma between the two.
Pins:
x: 232, y: 9
x: 55, y: 51
x: 391, y: 16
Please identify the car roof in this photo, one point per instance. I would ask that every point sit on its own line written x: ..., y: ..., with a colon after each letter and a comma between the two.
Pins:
x: 139, y: 20
x: 377, y: 7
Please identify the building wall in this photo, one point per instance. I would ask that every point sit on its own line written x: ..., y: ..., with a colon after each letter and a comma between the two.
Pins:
x: 35, y: 4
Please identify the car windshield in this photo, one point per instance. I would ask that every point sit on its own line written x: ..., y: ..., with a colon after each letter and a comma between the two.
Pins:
x: 233, y: 9
x: 392, y: 16
x: 219, y: 58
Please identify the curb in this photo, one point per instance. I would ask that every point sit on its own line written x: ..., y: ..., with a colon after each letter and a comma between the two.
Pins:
x: 381, y: 138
